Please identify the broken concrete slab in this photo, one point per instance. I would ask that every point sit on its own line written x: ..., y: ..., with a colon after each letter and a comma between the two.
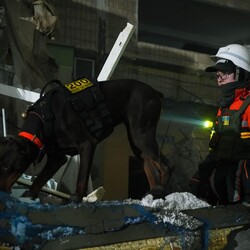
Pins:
x: 89, y: 225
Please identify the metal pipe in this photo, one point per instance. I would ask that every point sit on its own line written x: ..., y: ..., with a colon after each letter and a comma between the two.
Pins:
x: 4, y: 123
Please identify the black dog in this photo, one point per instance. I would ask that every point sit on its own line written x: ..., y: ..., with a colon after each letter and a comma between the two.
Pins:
x: 61, y: 123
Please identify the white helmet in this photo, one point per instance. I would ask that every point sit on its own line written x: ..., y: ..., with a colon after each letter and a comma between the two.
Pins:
x: 236, y: 53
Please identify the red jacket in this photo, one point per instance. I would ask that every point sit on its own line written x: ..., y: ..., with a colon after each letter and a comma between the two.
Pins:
x: 240, y: 96
x: 230, y: 138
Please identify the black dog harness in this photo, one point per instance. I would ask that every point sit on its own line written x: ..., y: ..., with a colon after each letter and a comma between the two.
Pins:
x: 84, y: 96
x: 88, y: 100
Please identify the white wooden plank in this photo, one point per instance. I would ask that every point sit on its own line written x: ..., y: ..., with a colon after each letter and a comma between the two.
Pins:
x: 18, y: 93
x: 116, y: 53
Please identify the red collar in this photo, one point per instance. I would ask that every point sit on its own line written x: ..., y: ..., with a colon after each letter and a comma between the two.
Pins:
x: 32, y: 138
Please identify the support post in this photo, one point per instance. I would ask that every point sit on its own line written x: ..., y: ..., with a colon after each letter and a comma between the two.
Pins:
x: 4, y: 123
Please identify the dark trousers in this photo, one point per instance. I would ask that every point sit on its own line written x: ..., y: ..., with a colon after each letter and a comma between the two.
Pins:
x: 223, y: 181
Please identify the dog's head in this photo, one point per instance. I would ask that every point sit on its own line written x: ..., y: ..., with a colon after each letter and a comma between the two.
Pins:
x: 15, y: 158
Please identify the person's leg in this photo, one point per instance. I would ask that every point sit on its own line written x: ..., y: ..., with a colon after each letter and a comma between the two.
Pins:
x: 203, y: 188
x: 218, y: 182
x: 233, y: 181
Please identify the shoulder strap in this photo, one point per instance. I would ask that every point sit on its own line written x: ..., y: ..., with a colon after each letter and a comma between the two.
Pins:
x: 243, y: 107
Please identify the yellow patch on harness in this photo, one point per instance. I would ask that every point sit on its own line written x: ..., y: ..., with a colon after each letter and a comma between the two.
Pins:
x: 78, y: 85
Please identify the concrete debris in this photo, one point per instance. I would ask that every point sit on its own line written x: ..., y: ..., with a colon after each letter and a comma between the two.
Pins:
x: 96, y: 195
x: 44, y: 18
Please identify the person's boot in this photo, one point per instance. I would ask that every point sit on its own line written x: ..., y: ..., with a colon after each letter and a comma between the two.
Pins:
x: 246, y: 201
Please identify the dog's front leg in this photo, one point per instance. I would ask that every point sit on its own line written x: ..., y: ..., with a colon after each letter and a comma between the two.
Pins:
x: 53, y: 164
x: 86, y: 151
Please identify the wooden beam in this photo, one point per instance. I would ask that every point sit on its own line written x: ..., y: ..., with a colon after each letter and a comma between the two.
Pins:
x: 44, y: 189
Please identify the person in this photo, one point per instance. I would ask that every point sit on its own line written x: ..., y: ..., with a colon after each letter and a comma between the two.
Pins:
x: 224, y: 176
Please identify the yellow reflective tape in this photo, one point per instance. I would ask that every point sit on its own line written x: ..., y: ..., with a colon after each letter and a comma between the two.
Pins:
x: 245, y: 135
